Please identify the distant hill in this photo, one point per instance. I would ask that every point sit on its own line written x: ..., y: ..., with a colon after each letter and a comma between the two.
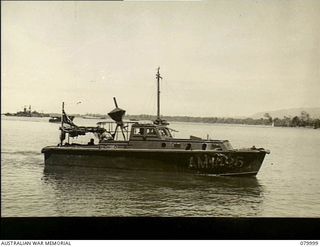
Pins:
x: 314, y: 112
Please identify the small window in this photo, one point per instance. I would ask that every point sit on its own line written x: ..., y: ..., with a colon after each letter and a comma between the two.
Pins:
x: 163, y: 145
x: 204, y: 146
x: 151, y: 132
x: 138, y: 131
x: 215, y: 147
x: 164, y: 132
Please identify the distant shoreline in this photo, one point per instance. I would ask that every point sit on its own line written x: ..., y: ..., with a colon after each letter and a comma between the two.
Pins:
x: 294, y: 122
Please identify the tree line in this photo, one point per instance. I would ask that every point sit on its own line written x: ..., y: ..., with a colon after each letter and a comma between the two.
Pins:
x: 304, y: 120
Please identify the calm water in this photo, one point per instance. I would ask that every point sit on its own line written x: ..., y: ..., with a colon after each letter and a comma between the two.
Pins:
x: 288, y: 183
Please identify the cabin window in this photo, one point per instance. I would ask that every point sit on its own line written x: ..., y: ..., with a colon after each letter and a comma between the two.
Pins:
x: 163, y: 145
x: 151, y: 132
x: 227, y: 145
x: 204, y: 146
x: 138, y: 131
x: 164, y: 132
x: 216, y: 146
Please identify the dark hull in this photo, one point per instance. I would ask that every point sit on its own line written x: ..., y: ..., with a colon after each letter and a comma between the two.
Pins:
x: 235, y: 162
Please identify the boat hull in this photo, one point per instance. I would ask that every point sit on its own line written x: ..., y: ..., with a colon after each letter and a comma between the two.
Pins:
x: 226, y: 163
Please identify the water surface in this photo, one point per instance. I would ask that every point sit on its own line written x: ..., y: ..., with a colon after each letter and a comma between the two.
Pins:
x: 286, y: 186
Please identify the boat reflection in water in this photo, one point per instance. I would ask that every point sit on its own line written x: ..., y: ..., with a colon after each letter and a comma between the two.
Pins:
x: 150, y: 146
x: 87, y: 191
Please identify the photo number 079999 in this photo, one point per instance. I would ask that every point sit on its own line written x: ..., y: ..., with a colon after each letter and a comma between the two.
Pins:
x: 312, y: 243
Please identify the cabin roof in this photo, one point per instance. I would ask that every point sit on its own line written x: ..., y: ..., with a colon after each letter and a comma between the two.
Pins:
x: 146, y: 125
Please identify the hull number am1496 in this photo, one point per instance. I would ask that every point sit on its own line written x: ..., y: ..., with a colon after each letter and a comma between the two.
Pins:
x: 216, y: 160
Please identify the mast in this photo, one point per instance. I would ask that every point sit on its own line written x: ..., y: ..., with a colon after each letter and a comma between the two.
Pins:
x: 62, y: 114
x: 158, y: 93
x: 62, y: 133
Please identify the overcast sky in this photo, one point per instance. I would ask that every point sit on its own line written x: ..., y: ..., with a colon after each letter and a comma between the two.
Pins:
x: 217, y: 58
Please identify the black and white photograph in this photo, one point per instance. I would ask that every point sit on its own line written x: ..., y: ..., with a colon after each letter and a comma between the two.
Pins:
x: 157, y: 109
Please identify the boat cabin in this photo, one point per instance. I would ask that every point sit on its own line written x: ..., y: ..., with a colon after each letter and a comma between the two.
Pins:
x: 152, y: 136
x: 149, y: 132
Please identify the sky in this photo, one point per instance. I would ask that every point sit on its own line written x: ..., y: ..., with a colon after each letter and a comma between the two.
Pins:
x: 217, y: 58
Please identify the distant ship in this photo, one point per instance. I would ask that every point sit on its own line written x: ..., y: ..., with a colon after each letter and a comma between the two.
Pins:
x: 27, y: 113
x: 93, y: 117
